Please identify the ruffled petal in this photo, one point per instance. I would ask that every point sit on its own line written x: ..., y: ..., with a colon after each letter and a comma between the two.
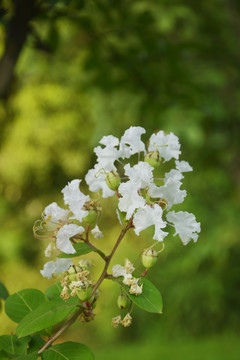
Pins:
x: 185, y: 225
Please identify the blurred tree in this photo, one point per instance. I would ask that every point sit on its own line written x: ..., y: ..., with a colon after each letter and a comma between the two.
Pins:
x: 72, y: 71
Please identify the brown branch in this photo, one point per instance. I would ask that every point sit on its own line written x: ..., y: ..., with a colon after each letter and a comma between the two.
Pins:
x: 101, y: 278
x: 61, y: 330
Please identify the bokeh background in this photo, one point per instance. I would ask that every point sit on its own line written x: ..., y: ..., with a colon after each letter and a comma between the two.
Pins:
x: 72, y: 71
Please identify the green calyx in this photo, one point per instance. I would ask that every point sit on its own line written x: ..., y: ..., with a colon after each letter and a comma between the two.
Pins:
x: 91, y: 218
x: 113, y: 180
x: 123, y: 301
x: 84, y: 294
x: 153, y: 158
x: 149, y: 258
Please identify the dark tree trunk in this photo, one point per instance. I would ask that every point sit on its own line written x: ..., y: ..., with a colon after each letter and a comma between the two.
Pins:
x: 17, y: 32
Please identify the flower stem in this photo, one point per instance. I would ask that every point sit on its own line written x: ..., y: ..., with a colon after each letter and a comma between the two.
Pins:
x: 109, y: 257
x: 103, y: 275
x: 61, y: 330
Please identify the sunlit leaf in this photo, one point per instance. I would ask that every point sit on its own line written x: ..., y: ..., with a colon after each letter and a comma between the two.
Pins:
x: 68, y: 351
x: 12, y: 345
x: 35, y: 343
x: 3, y: 291
x: 54, y: 291
x: 44, y: 316
x: 22, y: 303
x: 32, y: 356
x: 150, y: 300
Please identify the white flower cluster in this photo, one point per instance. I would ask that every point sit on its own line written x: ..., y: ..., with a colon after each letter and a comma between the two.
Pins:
x: 140, y: 196
x: 58, y: 224
x: 128, y: 169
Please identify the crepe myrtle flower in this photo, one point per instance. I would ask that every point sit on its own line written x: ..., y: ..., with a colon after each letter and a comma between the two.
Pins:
x: 57, y: 223
x: 139, y: 187
x: 146, y: 193
x: 55, y: 267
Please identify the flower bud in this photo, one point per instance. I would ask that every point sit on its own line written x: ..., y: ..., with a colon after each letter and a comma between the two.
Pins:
x: 153, y: 158
x: 123, y: 301
x: 84, y: 264
x: 71, y: 270
x: 72, y: 277
x: 91, y: 218
x: 72, y: 273
x: 149, y: 258
x: 113, y: 180
x: 85, y: 293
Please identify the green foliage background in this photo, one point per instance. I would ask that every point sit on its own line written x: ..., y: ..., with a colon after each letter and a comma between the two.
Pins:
x: 94, y: 68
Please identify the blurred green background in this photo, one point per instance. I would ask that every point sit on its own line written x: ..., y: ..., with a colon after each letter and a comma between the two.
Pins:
x: 73, y: 71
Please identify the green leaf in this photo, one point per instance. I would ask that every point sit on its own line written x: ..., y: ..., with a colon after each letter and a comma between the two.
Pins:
x: 44, y: 316
x: 150, y: 300
x: 35, y: 343
x: 68, y: 351
x: 81, y: 249
x: 3, y: 355
x: 54, y: 291
x: 3, y: 292
x: 22, y: 303
x: 12, y: 345
x: 32, y: 356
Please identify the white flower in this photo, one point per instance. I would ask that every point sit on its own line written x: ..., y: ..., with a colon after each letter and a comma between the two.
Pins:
x: 185, y: 224
x: 167, y: 145
x: 170, y: 191
x: 148, y: 216
x: 64, y: 235
x: 173, y: 174
x: 131, y: 142
x: 141, y: 174
x: 130, y: 200
x: 96, y: 232
x: 135, y: 288
x: 55, y: 267
x: 109, y: 154
x: 53, y: 216
x: 95, y: 179
x: 55, y: 212
x: 75, y: 199
x: 125, y: 271
x: 118, y: 270
x: 183, y: 166
x: 109, y: 141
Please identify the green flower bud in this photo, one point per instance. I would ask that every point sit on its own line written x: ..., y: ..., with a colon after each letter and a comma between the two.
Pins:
x: 84, y: 264
x: 149, y: 258
x: 153, y: 158
x: 91, y: 218
x: 84, y: 294
x: 113, y: 180
x: 72, y: 277
x: 78, y: 269
x: 71, y: 270
x: 123, y: 301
